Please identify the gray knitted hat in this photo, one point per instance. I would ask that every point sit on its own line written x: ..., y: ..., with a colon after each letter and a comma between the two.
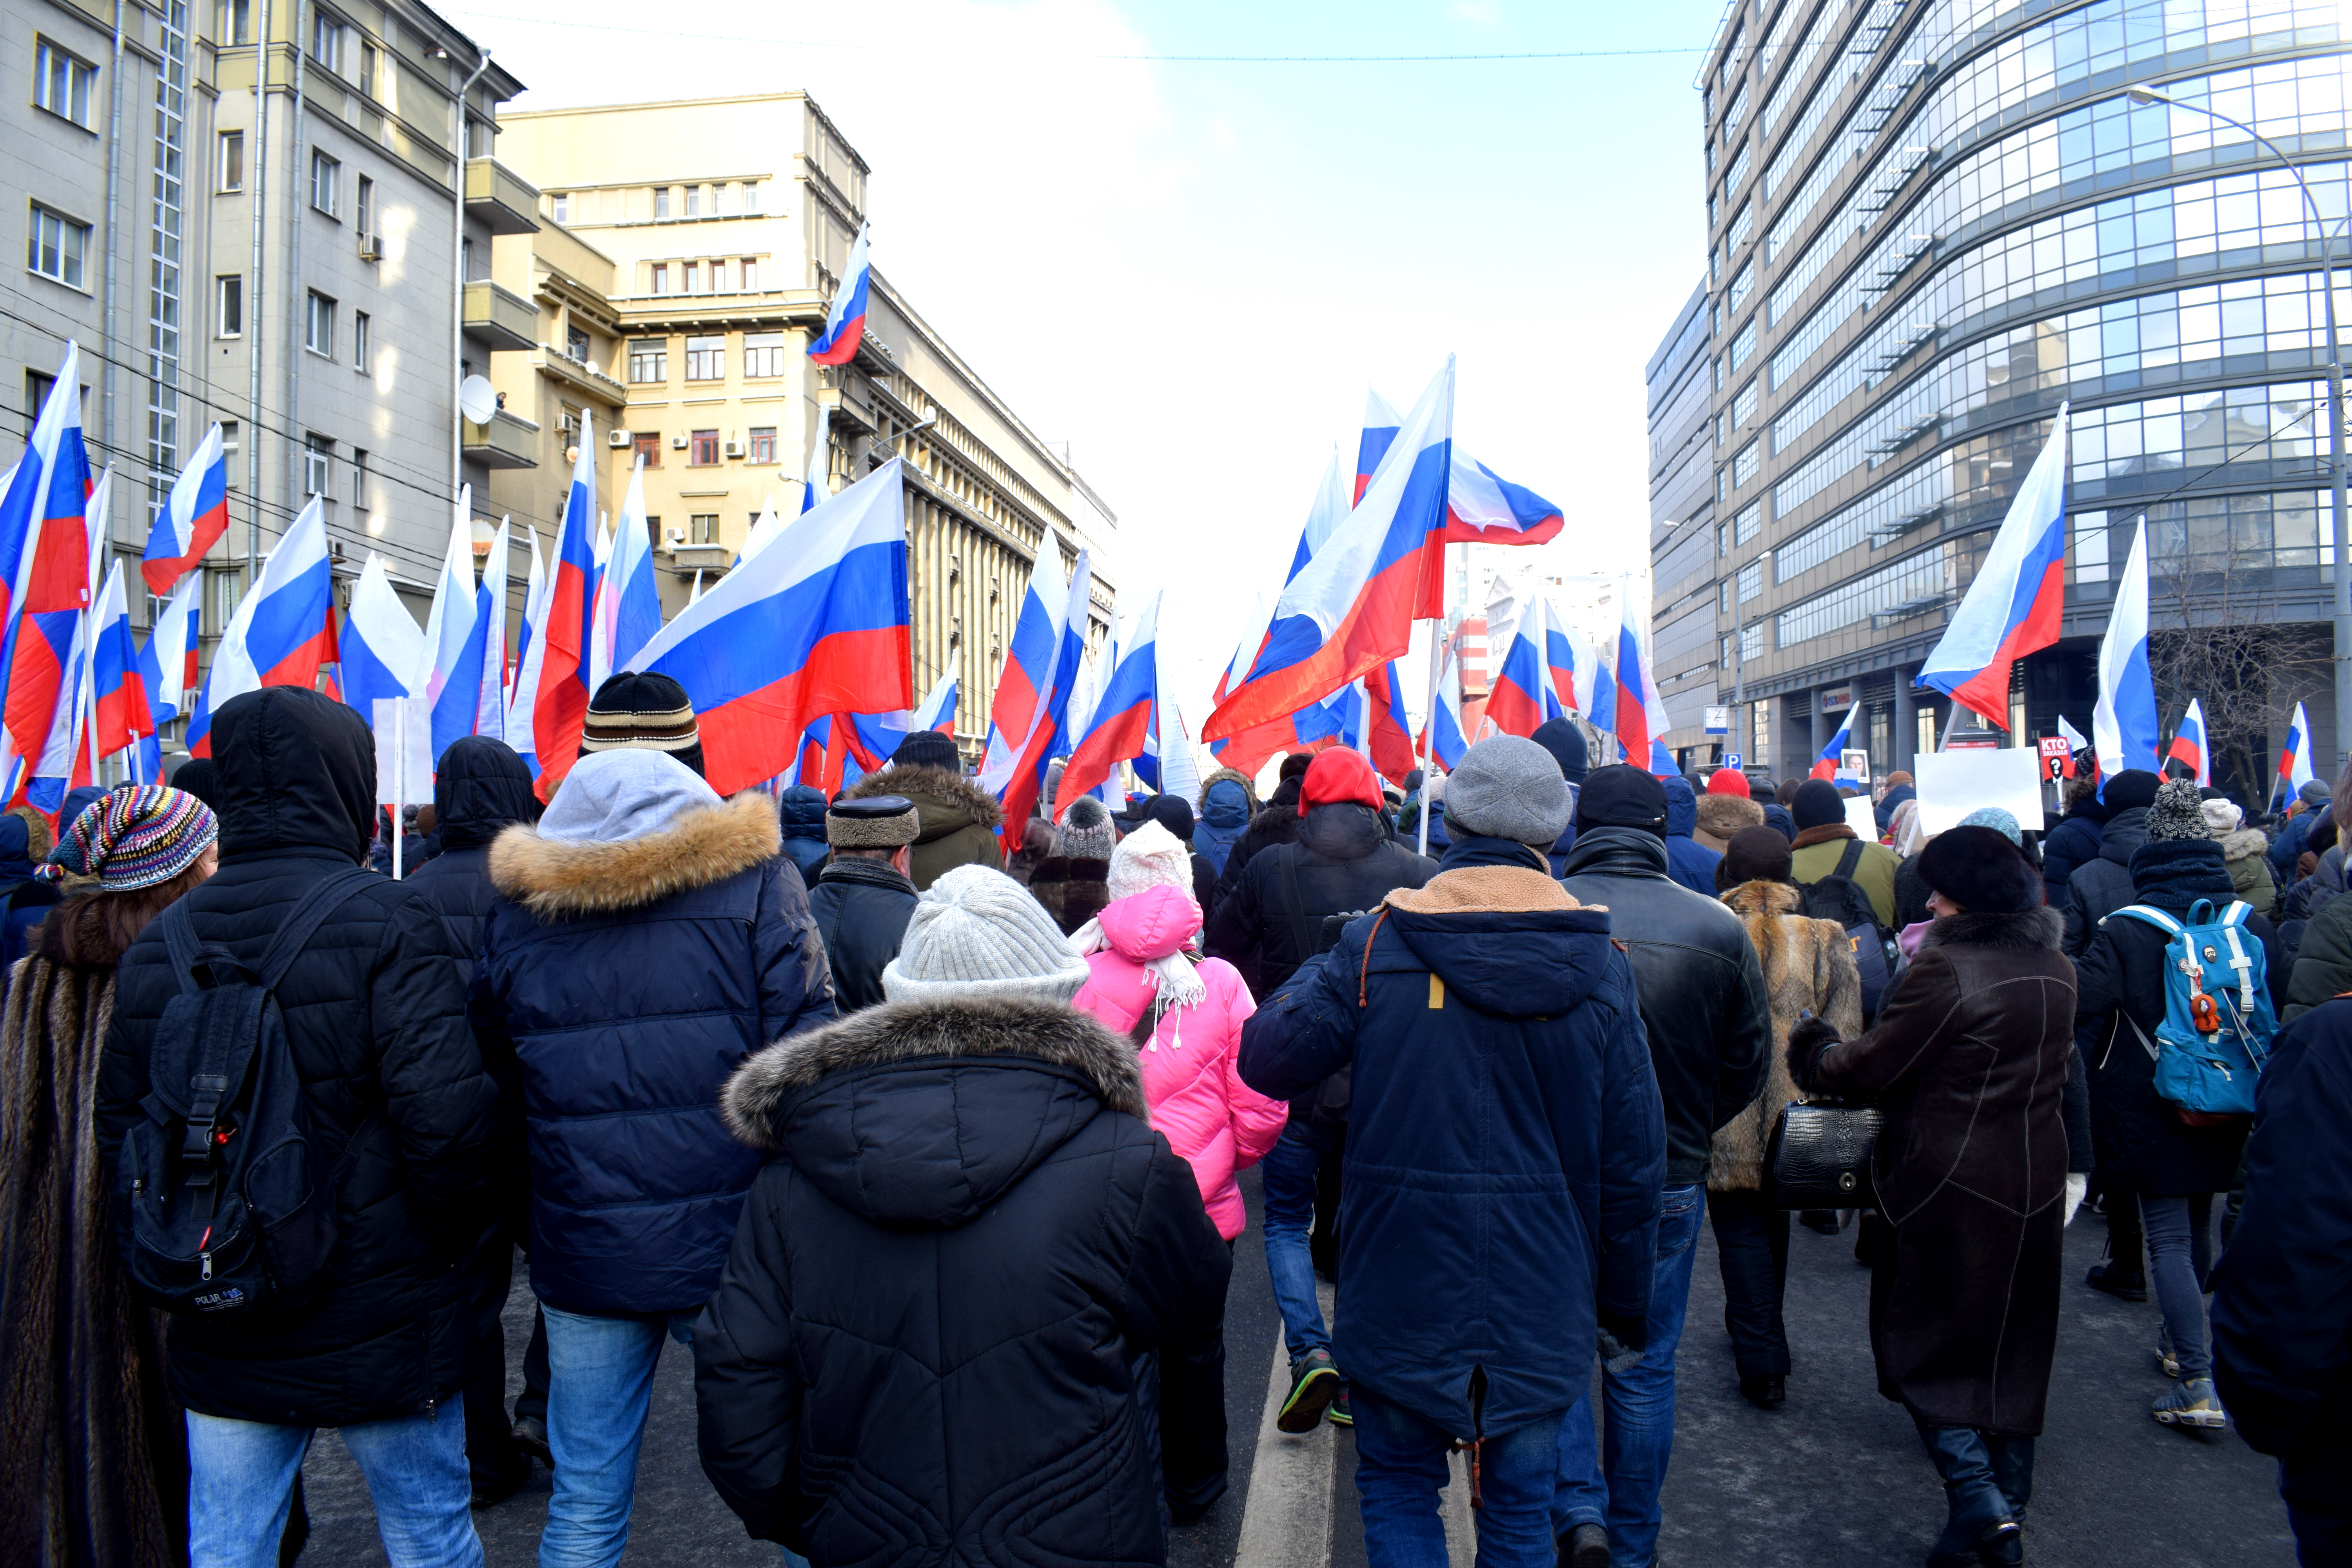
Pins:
x: 2178, y: 814
x: 1086, y: 833
x: 977, y: 935
x: 1508, y: 787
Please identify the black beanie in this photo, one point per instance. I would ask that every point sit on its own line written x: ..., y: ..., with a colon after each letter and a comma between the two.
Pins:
x: 1172, y: 811
x: 1758, y: 853
x: 928, y: 749
x: 1621, y: 796
x: 2132, y: 789
x: 195, y: 776
x: 1818, y: 805
x: 1293, y: 766
x: 1980, y: 870
x: 1565, y: 741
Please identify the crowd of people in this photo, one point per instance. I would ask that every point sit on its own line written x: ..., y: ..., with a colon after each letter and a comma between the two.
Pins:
x: 930, y: 1153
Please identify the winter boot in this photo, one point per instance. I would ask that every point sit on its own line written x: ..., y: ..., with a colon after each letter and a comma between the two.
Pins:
x: 2122, y: 1284
x: 1586, y: 1546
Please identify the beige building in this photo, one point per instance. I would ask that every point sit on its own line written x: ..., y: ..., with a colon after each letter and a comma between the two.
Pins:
x: 727, y: 223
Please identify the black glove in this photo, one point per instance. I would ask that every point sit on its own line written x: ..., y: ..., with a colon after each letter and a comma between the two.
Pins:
x: 1622, y: 1341
x: 1807, y: 1041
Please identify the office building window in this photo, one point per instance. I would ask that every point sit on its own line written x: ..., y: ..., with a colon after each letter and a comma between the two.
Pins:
x: 1743, y: 285
x: 56, y: 247
x: 327, y: 40
x: 364, y: 212
x: 61, y: 84
x: 1745, y: 522
x: 706, y: 358
x: 228, y: 447
x: 646, y: 447
x: 703, y: 450
x: 1743, y: 345
x: 723, y: 198
x: 648, y: 360
x: 228, y: 311
x: 694, y: 201
x: 763, y: 353
x: 661, y: 278
x: 1743, y: 405
x: 360, y: 340
x: 763, y: 443
x: 1751, y: 580
x: 2090, y: 546
x: 360, y: 487
x: 1743, y: 467
x: 232, y: 161
x: 1723, y: 597
x: 319, y: 325
x: 661, y: 201
x: 1751, y: 641
x: 702, y: 528
x: 751, y: 275
x: 367, y: 68
x: 690, y: 278
x: 1724, y: 645
x: 231, y: 19
x: 559, y: 207
x: 326, y: 184
x: 228, y: 591
x: 575, y: 343
x: 37, y: 392
x: 318, y: 466
x: 718, y: 276
x: 751, y: 195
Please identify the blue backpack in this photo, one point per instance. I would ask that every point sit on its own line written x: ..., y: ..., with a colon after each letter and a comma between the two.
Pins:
x: 2217, y: 1024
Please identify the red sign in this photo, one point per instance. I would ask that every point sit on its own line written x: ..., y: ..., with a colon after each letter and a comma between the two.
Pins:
x: 2057, y: 757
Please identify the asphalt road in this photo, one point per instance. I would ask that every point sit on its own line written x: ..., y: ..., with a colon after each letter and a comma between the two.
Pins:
x: 1834, y: 1480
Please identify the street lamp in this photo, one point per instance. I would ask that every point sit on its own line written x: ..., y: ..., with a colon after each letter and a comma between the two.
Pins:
x: 2144, y: 95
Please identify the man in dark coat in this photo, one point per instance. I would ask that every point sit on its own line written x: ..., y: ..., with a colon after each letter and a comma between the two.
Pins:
x: 1276, y: 823
x: 2075, y: 842
x: 1175, y: 813
x: 2311, y: 802
x: 396, y: 1094
x: 2282, y: 1292
x: 932, y: 1341
x: 649, y: 937
x: 863, y: 897
x: 1564, y: 739
x: 1505, y: 1154
x: 25, y: 900
x: 479, y: 789
x: 1708, y: 1018
x: 1899, y: 788
x: 2103, y: 884
x: 960, y: 819
x: 802, y: 811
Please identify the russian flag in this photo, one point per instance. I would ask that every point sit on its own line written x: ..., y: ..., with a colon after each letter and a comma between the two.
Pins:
x: 600, y: 610
x: 845, y: 321
x: 1353, y: 607
x: 560, y: 701
x: 44, y: 570
x: 530, y: 654
x: 1332, y: 505
x: 283, y: 631
x: 1119, y: 722
x: 873, y: 738
x: 122, y: 710
x: 1484, y: 507
x: 1825, y: 766
x: 490, y: 696
x: 1028, y: 666
x: 830, y: 615
x: 1447, y: 744
x: 384, y: 648
x: 167, y: 670
x: 818, y: 486
x: 1639, y: 715
x: 1311, y: 725
x: 2189, y: 746
x: 1382, y: 424
x: 1570, y: 659
x: 1522, y: 696
x: 938, y: 709
x: 193, y: 518
x: 631, y: 599
x: 1027, y: 776
x: 1381, y: 731
x: 2012, y: 607
x: 2125, y: 729
x: 64, y: 761
x: 454, y: 637
x: 2295, y: 759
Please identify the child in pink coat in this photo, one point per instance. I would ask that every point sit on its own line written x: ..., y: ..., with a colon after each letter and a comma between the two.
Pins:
x: 1185, y: 1014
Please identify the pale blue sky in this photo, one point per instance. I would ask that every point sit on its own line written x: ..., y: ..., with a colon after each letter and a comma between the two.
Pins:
x: 1190, y: 270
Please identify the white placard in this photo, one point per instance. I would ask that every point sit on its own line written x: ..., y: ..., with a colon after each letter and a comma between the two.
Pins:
x: 1953, y: 784
x: 1861, y: 815
x: 403, y: 734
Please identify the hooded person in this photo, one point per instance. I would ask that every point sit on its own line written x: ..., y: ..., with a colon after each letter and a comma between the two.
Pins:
x: 2074, y: 841
x: 1900, y: 789
x: 1226, y: 803
x: 801, y: 810
x: 649, y: 937
x: 1724, y: 810
x: 1072, y: 882
x: 1488, y: 986
x: 960, y: 819
x: 2311, y: 802
x: 1175, y: 813
x: 932, y: 1337
x: 1689, y: 861
x: 25, y: 899
x: 1184, y: 1013
x: 1564, y: 738
x: 92, y: 1446
x: 2103, y: 884
x: 2243, y: 849
x: 1275, y: 822
x: 399, y: 1108
x: 1826, y: 846
x: 863, y: 898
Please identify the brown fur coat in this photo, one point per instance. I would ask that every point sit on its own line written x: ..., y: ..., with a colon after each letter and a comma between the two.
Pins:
x: 1721, y: 816
x: 1808, y: 965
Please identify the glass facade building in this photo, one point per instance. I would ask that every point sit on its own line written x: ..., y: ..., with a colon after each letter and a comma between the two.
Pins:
x: 1932, y: 222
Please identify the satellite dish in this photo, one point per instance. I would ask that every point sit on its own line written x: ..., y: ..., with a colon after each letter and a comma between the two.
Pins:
x: 477, y: 400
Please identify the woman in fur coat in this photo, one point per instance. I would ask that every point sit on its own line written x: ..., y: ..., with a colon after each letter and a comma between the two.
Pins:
x: 1808, y: 969
x: 93, y: 1450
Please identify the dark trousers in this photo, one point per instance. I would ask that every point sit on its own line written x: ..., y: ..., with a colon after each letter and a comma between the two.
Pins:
x: 2312, y: 1480
x: 1192, y: 1455
x: 531, y: 1404
x: 1751, y: 1244
x: 491, y: 1457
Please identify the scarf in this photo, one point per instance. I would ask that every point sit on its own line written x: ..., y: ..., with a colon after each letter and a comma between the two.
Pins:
x: 1174, y: 983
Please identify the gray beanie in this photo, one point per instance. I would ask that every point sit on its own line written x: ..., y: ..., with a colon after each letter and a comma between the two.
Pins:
x: 2177, y: 813
x: 1508, y: 787
x: 1086, y: 833
x: 977, y: 935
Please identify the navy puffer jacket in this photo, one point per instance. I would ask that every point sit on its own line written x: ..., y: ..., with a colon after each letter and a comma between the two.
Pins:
x: 801, y: 808
x: 1505, y: 1147
x: 1689, y: 861
x: 633, y: 972
x: 2068, y: 847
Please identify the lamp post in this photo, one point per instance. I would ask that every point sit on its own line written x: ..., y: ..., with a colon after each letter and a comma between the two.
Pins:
x: 2144, y: 95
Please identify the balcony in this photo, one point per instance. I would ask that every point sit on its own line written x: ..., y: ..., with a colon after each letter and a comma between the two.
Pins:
x: 507, y: 441
x: 500, y: 317
x: 686, y: 560
x: 499, y: 198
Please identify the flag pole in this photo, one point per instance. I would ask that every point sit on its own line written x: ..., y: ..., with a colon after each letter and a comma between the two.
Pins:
x: 1429, y: 726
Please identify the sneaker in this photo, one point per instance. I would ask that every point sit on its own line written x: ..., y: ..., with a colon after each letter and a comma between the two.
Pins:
x: 2165, y: 1357
x: 530, y: 1436
x: 2192, y: 1405
x: 1313, y: 1381
x: 1342, y: 1413
x: 2122, y: 1284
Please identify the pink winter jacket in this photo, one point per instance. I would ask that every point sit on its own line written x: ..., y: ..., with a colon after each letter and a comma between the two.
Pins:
x: 1210, y: 1116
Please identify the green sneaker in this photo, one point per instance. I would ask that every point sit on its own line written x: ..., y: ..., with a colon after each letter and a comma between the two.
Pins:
x: 1313, y: 1381
x: 1342, y: 1413
x: 2192, y: 1405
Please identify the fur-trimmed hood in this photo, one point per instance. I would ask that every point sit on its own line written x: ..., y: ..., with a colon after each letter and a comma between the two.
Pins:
x: 559, y: 879
x: 2005, y: 933
x: 2243, y: 843
x: 945, y: 803
x: 1721, y: 816
x: 919, y: 1114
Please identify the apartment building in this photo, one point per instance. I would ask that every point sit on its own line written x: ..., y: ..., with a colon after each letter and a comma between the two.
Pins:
x: 727, y: 223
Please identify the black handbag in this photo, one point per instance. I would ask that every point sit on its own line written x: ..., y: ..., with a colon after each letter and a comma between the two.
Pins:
x: 1818, y: 1157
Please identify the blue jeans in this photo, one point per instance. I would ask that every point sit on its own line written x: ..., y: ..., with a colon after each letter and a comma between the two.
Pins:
x: 1400, y: 1470
x: 600, y: 1382
x: 1288, y: 1172
x: 2180, y: 1255
x: 1617, y: 1487
x: 241, y: 1484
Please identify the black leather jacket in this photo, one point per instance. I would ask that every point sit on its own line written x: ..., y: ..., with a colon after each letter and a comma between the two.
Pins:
x: 1703, y: 996
x: 1341, y: 862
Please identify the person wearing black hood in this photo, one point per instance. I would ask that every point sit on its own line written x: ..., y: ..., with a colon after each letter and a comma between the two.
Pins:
x: 25, y: 900
x: 1276, y: 823
x: 481, y: 787
x: 1564, y: 739
x: 2075, y: 842
x: 2103, y: 884
x: 802, y: 810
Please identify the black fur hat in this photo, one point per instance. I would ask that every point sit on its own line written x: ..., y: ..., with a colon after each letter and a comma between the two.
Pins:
x: 1980, y: 870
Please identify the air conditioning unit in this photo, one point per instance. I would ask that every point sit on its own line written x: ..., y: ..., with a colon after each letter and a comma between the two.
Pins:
x: 678, y: 443
x: 371, y: 247
x: 676, y: 536
x: 618, y: 437
x: 734, y: 448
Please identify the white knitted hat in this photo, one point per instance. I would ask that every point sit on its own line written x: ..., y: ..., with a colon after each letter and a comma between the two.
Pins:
x: 1150, y: 856
x: 977, y: 934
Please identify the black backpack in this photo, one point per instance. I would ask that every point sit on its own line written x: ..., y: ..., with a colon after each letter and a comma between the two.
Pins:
x: 1838, y: 897
x: 230, y: 1207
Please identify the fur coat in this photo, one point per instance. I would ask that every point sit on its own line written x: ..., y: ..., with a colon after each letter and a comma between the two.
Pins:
x: 957, y: 821
x: 1808, y: 966
x: 1721, y: 816
x: 2246, y: 854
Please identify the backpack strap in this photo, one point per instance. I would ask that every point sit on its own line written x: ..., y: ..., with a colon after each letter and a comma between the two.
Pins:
x: 2201, y: 912
x: 180, y: 942
x: 302, y: 921
x: 1297, y: 903
x: 2150, y: 915
x: 1849, y: 861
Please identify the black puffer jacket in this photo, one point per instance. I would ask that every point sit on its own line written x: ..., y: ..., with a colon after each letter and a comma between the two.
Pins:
x: 1702, y: 997
x: 861, y: 908
x: 1343, y: 861
x: 2069, y: 847
x: 802, y: 810
x: 375, y: 1015
x: 479, y: 790
x: 965, y: 1236
x: 1277, y: 822
x: 2103, y: 884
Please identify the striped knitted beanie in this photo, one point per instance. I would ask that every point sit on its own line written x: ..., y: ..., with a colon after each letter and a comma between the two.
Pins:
x: 636, y: 710
x: 138, y: 836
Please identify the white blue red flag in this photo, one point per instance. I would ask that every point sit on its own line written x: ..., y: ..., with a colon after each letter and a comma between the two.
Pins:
x: 560, y: 703
x: 1640, y: 714
x: 2189, y: 747
x: 2012, y: 607
x: 2294, y: 758
x: 1444, y: 734
x: 1825, y: 766
x: 530, y: 657
x: 169, y: 656
x: 382, y: 645
x: 2125, y: 728
x: 1484, y: 507
x: 1521, y: 696
x: 44, y: 571
x: 122, y: 714
x: 938, y: 709
x: 1314, y: 724
x: 1332, y: 505
x: 844, y: 320
x: 1574, y: 662
x: 283, y: 631
x: 797, y: 635
x: 456, y: 630
x: 632, y: 598
x: 1028, y: 669
x: 1381, y: 729
x: 490, y: 697
x: 64, y: 761
x: 601, y: 607
x: 1027, y: 776
x: 193, y: 518
x: 818, y: 486
x: 765, y: 530
x: 1118, y: 722
x: 1382, y: 424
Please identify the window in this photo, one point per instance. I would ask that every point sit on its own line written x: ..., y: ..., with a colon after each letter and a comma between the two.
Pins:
x: 661, y: 201
x: 37, y: 392
x: 319, y: 325
x: 2090, y: 546
x: 1743, y: 467
x: 327, y: 41
x: 228, y: 311
x: 704, y: 451
x: 232, y: 161
x: 723, y: 198
x: 648, y: 360
x: 751, y: 275
x: 1751, y: 580
x: 228, y: 590
x: 61, y: 83
x: 326, y: 184
x: 228, y: 446
x: 1763, y: 710
x: 229, y: 22
x: 363, y: 213
x: 763, y: 353
x: 559, y: 205
x: 694, y: 201
x: 1751, y: 646
x: 360, y: 490
x: 690, y: 278
x: 1743, y: 405
x: 1723, y: 597
x: 360, y: 340
x: 646, y: 446
x: 575, y: 343
x: 56, y: 246
x: 1744, y: 523
x: 763, y: 443
x: 318, y: 464
x: 661, y: 278
x: 702, y: 528
x: 367, y: 68
x: 751, y: 195
x: 706, y: 358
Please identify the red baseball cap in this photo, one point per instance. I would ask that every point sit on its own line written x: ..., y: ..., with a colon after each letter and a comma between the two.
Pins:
x: 1338, y: 774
